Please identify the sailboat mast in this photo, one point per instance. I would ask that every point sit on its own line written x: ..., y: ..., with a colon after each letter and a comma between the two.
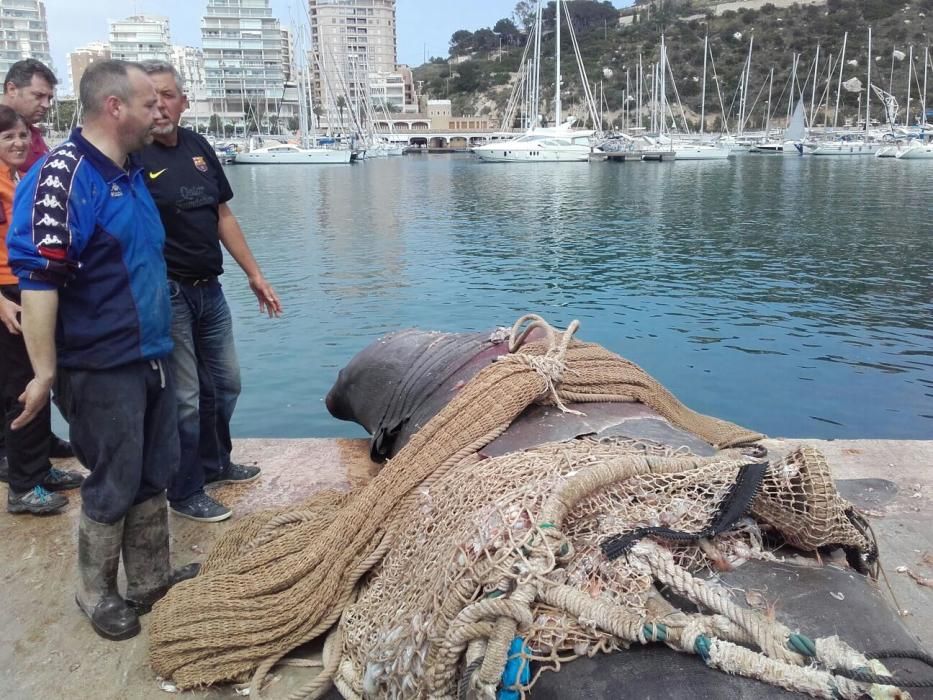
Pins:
x: 302, y: 112
x: 742, y: 104
x: 536, y: 92
x: 910, y: 75
x: 654, y: 97
x: 662, y: 86
x: 703, y: 89
x: 923, y: 99
x: 307, y: 105
x: 602, y: 98
x: 557, y: 110
x: 768, y: 115
x: 829, y: 82
x: 816, y: 76
x: 842, y: 62
x: 640, y: 79
x: 868, y: 87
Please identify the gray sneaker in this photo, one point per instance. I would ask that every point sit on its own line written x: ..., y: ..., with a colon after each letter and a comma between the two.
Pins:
x: 202, y: 508
x: 38, y: 501
x: 235, y: 474
x: 62, y: 480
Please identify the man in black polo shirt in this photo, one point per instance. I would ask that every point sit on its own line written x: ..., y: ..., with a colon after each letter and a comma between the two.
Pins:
x: 190, y: 188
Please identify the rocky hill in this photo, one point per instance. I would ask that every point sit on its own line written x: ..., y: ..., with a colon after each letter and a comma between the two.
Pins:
x: 477, y: 76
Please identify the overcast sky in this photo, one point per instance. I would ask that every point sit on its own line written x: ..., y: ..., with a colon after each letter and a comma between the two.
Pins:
x: 424, y: 26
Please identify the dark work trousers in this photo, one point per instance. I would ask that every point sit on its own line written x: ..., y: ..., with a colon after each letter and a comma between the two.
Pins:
x: 27, y: 449
x: 124, y: 428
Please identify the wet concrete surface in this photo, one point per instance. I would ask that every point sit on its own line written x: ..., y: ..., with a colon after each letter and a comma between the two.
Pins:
x: 49, y: 650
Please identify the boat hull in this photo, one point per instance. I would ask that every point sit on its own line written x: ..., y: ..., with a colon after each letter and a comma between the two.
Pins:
x: 506, y: 154
x: 701, y: 153
x: 776, y: 149
x: 916, y: 152
x: 843, y: 149
x: 314, y: 156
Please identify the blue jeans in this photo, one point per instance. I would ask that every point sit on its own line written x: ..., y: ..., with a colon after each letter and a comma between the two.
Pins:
x: 207, y: 384
x: 122, y: 424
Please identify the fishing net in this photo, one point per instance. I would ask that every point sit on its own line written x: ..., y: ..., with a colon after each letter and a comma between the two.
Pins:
x: 475, y: 538
x: 448, y: 569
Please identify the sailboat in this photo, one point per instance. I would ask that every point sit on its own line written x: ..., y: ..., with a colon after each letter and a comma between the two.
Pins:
x: 682, y: 150
x: 559, y: 143
x: 794, y: 135
x: 917, y: 149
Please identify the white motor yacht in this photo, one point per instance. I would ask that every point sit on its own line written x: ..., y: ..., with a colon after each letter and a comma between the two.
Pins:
x: 287, y: 153
x: 554, y: 144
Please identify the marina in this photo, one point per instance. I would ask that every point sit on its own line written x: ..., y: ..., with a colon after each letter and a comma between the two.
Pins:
x: 593, y: 356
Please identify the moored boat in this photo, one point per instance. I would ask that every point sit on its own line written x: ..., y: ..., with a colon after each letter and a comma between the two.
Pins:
x: 287, y: 153
x: 917, y: 150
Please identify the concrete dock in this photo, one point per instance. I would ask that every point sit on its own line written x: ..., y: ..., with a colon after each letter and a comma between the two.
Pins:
x: 50, y: 651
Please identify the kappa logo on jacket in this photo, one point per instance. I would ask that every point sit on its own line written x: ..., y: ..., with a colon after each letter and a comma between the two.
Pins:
x: 53, y: 181
x: 57, y: 164
x: 49, y: 201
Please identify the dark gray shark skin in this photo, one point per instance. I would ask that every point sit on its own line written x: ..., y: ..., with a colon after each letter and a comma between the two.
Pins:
x: 395, y: 385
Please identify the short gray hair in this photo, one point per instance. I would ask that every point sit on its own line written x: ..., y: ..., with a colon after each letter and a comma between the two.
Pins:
x: 154, y: 66
x: 104, y: 79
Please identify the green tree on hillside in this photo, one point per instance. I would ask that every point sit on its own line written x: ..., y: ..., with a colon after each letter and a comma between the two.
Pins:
x: 506, y: 29
x: 524, y: 14
x: 461, y: 42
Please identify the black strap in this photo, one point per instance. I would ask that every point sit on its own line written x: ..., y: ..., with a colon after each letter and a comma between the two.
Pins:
x: 736, y: 504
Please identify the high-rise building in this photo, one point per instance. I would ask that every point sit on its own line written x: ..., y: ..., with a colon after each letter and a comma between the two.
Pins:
x: 288, y: 55
x: 24, y: 33
x: 141, y: 38
x: 189, y: 62
x: 80, y: 59
x: 351, y: 40
x: 242, y: 44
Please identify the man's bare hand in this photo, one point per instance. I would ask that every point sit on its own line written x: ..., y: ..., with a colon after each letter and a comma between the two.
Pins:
x: 9, y: 310
x: 268, y: 300
x: 34, y: 399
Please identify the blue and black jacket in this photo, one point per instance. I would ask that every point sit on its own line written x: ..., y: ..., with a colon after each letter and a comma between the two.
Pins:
x: 90, y: 229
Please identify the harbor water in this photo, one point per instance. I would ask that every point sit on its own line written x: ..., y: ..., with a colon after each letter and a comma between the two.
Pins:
x: 791, y: 295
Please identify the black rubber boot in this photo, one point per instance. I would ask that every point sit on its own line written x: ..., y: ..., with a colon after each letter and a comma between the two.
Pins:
x: 146, y: 555
x: 98, y: 562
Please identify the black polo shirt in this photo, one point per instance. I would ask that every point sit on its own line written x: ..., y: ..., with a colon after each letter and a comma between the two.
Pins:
x: 188, y: 184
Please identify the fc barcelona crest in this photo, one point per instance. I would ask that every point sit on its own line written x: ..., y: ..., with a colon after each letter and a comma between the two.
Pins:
x: 200, y: 163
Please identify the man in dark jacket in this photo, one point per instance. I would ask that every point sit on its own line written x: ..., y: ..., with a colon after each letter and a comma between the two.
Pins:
x: 189, y: 186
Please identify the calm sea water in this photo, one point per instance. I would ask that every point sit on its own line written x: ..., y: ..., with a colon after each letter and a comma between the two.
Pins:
x: 791, y: 295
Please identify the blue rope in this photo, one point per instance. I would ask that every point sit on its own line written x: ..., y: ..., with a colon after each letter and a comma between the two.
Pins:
x: 517, y: 672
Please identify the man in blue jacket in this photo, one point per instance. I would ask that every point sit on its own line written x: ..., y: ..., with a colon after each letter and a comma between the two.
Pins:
x: 86, y: 244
